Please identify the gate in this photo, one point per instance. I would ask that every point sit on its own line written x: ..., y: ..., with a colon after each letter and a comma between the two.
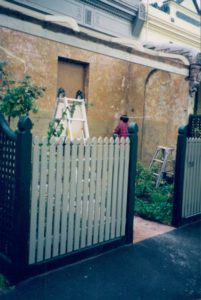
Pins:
x: 187, y: 203
x: 79, y: 195
x: 62, y: 202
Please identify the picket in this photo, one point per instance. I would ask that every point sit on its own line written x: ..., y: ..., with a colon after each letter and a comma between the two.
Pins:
x: 34, y: 201
x: 103, y: 189
x: 109, y: 189
x: 50, y: 199
x: 79, y: 194
x: 65, y: 203
x: 73, y: 171
x: 192, y: 187
x: 42, y: 201
x: 114, y: 187
x: 80, y: 197
x: 58, y: 194
x: 85, y: 194
x: 98, y: 191
x: 120, y: 187
x: 125, y: 184
x: 92, y: 191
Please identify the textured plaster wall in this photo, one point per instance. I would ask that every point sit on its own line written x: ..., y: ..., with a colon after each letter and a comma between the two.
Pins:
x: 114, y: 86
x: 165, y: 109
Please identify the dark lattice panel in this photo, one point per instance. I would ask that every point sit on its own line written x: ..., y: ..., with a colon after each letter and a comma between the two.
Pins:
x: 7, y: 192
x: 195, y: 126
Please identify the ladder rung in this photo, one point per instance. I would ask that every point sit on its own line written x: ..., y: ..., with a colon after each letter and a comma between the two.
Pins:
x: 158, y: 160
x: 74, y: 119
x: 156, y: 174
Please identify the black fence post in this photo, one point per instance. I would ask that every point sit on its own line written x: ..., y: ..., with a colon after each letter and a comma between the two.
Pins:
x: 22, y: 199
x: 133, y: 135
x: 179, y: 175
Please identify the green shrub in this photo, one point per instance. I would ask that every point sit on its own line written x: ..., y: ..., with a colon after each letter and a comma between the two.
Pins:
x: 17, y: 98
x: 150, y: 202
x: 3, y: 282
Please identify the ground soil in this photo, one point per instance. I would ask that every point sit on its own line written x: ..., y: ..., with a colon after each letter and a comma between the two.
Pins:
x: 144, y: 229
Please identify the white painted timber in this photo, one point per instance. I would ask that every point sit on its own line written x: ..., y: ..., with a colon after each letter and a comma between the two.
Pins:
x: 92, y: 191
x: 98, y: 191
x: 79, y: 195
x: 34, y: 201
x: 103, y: 189
x: 86, y: 180
x: 114, y: 187
x: 125, y: 186
x: 50, y: 200
x: 65, y: 198
x: 42, y: 201
x: 72, y: 197
x: 191, y: 204
x: 109, y: 189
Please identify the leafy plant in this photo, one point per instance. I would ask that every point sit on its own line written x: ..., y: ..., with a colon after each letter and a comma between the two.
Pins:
x: 18, y: 98
x: 151, y: 203
x: 3, y: 282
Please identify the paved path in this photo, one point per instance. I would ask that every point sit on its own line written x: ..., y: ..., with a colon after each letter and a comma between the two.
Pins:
x: 165, y: 267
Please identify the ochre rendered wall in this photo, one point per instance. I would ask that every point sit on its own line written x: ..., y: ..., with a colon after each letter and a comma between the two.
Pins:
x: 156, y: 102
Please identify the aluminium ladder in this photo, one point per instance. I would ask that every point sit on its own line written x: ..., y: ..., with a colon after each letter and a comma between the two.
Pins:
x: 72, y: 114
x: 160, y: 160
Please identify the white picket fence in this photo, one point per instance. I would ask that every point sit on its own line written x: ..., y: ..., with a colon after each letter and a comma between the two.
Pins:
x: 191, y: 205
x: 79, y: 195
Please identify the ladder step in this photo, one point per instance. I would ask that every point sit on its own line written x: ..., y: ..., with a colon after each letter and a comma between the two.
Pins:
x: 76, y: 119
x: 158, y: 160
x: 161, y: 157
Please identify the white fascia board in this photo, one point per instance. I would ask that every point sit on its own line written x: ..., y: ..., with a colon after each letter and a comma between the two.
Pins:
x: 168, y: 28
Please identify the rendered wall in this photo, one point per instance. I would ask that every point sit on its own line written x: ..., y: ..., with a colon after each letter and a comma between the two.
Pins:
x: 157, y: 101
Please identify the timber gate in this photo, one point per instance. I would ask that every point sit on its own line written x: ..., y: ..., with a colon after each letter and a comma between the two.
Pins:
x: 65, y: 201
x: 187, y: 203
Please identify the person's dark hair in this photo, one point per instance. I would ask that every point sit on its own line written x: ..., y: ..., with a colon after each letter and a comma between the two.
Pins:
x: 124, y: 118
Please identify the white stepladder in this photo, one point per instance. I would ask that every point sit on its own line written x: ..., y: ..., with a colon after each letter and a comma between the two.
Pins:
x: 161, y: 161
x: 71, y: 113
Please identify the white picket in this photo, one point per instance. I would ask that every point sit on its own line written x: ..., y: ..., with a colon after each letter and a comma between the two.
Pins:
x: 109, y: 190
x: 42, y: 201
x: 198, y: 207
x: 114, y: 187
x: 79, y: 195
x: 103, y: 189
x: 57, y: 204
x: 34, y: 201
x: 50, y: 198
x: 197, y: 175
x: 65, y: 203
x: 97, y: 191
x: 92, y: 191
x: 192, y: 183
x: 73, y: 180
x: 120, y: 186
x: 125, y: 186
x: 85, y: 193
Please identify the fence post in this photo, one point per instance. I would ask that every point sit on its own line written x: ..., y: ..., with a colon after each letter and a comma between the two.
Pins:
x: 133, y: 135
x: 22, y: 199
x: 179, y: 175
